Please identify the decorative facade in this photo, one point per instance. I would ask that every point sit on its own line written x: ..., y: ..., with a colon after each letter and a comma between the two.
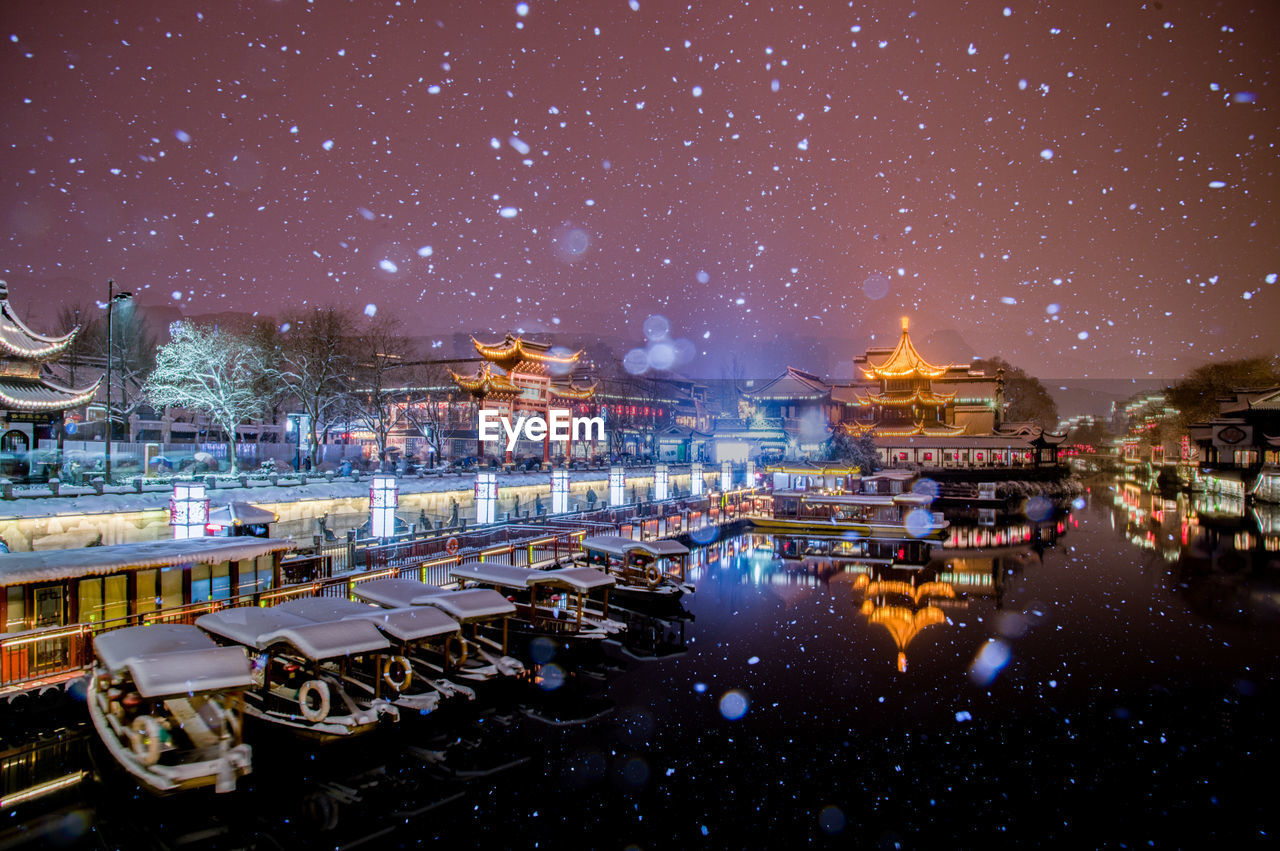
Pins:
x: 520, y: 377
x: 31, y: 404
x: 903, y: 394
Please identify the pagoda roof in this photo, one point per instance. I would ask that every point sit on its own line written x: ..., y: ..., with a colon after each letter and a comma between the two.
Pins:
x: 1267, y: 402
x: 485, y: 382
x: 19, y: 341
x: 904, y: 361
x: 512, y: 350
x: 934, y: 429
x: 793, y: 384
x: 569, y: 390
x: 920, y: 397
x: 41, y: 395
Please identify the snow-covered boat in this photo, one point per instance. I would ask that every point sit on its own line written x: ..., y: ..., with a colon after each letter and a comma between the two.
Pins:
x: 549, y: 603
x: 167, y: 702
x: 647, y: 573
x: 302, y: 669
x: 484, y: 650
x: 406, y: 675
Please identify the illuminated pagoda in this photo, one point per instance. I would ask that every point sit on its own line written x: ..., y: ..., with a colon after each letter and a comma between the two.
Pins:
x: 30, y: 404
x: 905, y: 402
x: 903, y: 608
x: 521, y: 377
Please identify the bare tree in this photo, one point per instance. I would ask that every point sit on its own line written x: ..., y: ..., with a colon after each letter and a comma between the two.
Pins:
x: 210, y: 370
x: 132, y: 348
x: 380, y: 386
x: 314, y: 364
x: 433, y: 412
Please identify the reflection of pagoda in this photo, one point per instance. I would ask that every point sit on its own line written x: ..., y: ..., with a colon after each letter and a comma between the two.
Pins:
x: 30, y: 403
x: 522, y: 377
x: 903, y: 608
x: 906, y: 402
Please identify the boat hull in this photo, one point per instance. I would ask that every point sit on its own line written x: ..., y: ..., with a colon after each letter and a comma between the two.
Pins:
x: 235, y: 762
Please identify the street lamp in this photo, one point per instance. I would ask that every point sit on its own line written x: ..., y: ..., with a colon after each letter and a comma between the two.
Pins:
x: 112, y: 298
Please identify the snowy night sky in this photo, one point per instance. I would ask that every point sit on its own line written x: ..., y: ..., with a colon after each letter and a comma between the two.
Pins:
x: 1081, y: 187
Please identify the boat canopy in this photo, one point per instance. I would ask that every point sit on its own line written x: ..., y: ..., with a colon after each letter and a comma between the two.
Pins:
x: 393, y: 593
x: 404, y: 624
x: 413, y: 623
x: 171, y: 659
x: 505, y: 576
x: 322, y: 609
x: 913, y: 499
x: 189, y: 672
x: 117, y: 647
x: 260, y: 628
x: 582, y: 578
x: 471, y: 604
x: 59, y: 565
x: 840, y: 499
x: 615, y: 545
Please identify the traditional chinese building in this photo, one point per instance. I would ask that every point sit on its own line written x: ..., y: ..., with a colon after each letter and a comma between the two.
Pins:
x: 30, y: 404
x: 904, y: 394
x: 521, y: 377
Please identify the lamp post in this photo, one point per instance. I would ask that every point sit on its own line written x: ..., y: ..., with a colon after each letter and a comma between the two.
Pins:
x: 112, y: 298
x: 384, y: 496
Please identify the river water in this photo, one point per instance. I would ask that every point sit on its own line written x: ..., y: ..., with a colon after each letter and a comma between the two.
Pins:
x: 1100, y: 675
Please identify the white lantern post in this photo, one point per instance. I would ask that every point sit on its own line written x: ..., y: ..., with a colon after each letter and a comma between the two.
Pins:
x: 661, y: 482
x: 726, y: 476
x: 486, y: 498
x: 617, y: 486
x: 559, y: 491
x: 695, y: 479
x: 188, y: 510
x: 751, y: 474
x: 384, y: 497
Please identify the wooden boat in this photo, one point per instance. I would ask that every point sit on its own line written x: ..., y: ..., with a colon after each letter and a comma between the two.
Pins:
x: 868, y: 515
x: 304, y: 669
x: 167, y: 702
x: 561, y: 611
x: 647, y: 573
x: 487, y: 612
x: 411, y: 677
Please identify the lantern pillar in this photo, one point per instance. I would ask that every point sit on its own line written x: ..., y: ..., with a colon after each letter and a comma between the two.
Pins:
x: 188, y: 510
x: 661, y: 481
x: 384, y: 497
x: 559, y: 491
x: 617, y: 486
x: 486, y: 498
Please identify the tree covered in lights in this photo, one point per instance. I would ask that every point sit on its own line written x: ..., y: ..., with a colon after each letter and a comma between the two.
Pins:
x: 215, y: 372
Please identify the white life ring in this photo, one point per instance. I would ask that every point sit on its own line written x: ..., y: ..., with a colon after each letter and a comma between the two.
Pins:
x: 145, y: 739
x: 652, y: 575
x: 321, y: 712
x: 401, y: 681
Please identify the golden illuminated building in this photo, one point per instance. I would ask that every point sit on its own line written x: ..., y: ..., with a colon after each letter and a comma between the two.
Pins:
x: 521, y: 377
x: 903, y: 394
x: 30, y: 404
x: 903, y: 608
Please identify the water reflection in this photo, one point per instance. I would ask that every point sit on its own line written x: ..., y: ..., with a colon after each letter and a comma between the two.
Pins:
x: 1098, y: 662
x: 1224, y: 552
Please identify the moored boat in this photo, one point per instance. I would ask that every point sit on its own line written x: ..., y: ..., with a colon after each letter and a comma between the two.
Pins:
x: 410, y: 676
x: 647, y: 573
x: 301, y: 670
x: 561, y: 611
x: 487, y: 612
x: 167, y: 703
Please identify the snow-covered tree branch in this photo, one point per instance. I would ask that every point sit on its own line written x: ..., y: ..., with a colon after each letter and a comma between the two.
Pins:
x: 210, y: 370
